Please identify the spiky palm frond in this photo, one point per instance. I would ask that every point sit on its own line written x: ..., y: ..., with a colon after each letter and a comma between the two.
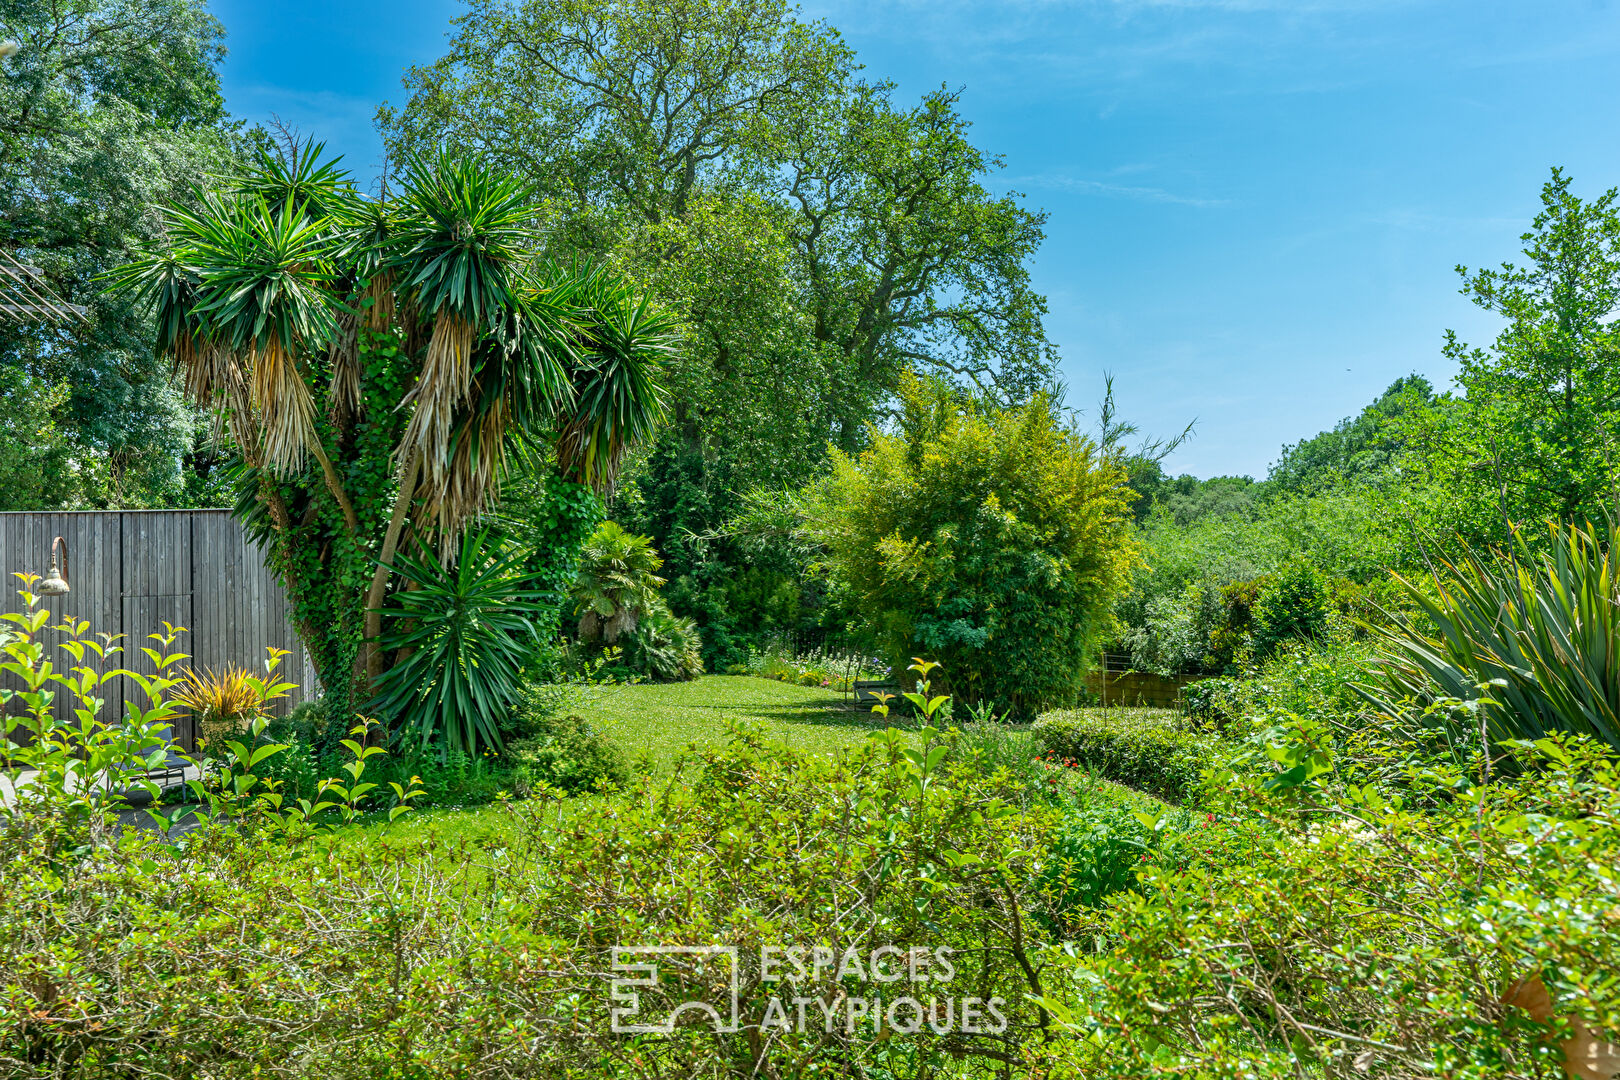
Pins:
x: 617, y: 399
x: 468, y: 629
x: 1536, y: 635
x: 166, y: 284
x: 461, y: 249
x: 310, y: 187
x: 463, y: 239
x: 263, y: 277
x: 263, y: 294
x: 665, y: 646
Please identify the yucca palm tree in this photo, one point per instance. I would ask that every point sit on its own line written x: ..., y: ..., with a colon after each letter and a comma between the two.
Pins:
x: 405, y: 346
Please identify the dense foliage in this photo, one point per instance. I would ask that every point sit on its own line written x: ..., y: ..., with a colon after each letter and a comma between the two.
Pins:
x: 1381, y: 841
x: 1532, y: 638
x: 1149, y: 749
x: 1532, y: 438
x: 375, y: 363
x: 815, y: 235
x: 1289, y: 921
x: 996, y: 539
x: 111, y: 107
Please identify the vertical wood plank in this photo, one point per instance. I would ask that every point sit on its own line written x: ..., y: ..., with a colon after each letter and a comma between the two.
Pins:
x: 129, y: 571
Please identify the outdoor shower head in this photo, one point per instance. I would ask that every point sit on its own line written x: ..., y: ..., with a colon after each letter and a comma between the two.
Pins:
x: 55, y: 583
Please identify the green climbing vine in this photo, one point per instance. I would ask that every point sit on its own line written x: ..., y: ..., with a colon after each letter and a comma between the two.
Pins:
x: 325, y: 569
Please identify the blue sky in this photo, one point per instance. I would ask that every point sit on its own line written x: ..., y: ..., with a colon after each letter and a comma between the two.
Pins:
x: 1255, y: 205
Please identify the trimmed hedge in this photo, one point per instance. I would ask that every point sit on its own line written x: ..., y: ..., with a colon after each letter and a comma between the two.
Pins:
x: 1139, y: 747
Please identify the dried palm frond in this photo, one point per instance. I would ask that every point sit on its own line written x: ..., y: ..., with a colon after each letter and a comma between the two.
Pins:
x: 285, y: 408
x: 472, y: 481
x: 377, y: 301
x: 214, y: 380
x: 439, y: 393
x: 343, y: 356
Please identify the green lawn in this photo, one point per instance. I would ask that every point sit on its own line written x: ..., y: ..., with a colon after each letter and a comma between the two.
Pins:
x: 662, y: 720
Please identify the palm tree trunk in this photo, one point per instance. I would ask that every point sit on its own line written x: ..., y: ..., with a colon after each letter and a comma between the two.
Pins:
x: 350, y: 518
x: 379, y: 579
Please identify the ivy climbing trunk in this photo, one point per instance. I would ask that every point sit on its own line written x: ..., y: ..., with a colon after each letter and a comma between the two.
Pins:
x: 371, y: 651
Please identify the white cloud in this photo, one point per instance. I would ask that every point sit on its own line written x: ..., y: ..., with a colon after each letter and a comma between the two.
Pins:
x: 1122, y: 191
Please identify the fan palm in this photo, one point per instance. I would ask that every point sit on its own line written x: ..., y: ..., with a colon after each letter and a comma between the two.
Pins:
x: 666, y: 646
x: 272, y: 288
x: 618, y: 580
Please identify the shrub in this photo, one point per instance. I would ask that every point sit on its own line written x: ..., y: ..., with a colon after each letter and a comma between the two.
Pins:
x: 1140, y: 747
x: 297, y: 768
x: 995, y: 540
x: 465, y: 631
x: 307, y: 721
x: 570, y: 756
x: 1216, y: 700
x: 665, y: 646
x: 1175, y: 633
x: 64, y: 780
x: 1097, y: 852
x: 555, y: 748
x: 411, y: 956
x: 1292, y: 606
x: 1369, y: 939
x: 225, y: 703
x: 1537, y: 636
x: 1233, y: 634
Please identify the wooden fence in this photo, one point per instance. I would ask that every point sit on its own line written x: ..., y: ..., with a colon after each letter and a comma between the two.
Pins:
x: 1115, y: 683
x: 131, y: 571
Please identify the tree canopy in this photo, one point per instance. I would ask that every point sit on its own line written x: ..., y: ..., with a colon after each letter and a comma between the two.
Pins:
x: 110, y: 109
x: 815, y: 236
x: 1532, y: 437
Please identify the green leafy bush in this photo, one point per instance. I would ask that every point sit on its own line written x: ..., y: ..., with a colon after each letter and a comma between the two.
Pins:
x: 568, y: 755
x: 995, y: 540
x: 1292, y: 606
x: 1141, y: 747
x: 420, y: 955
x: 306, y: 721
x: 1536, y: 635
x: 1097, y: 852
x: 1371, y: 939
x: 1209, y: 699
